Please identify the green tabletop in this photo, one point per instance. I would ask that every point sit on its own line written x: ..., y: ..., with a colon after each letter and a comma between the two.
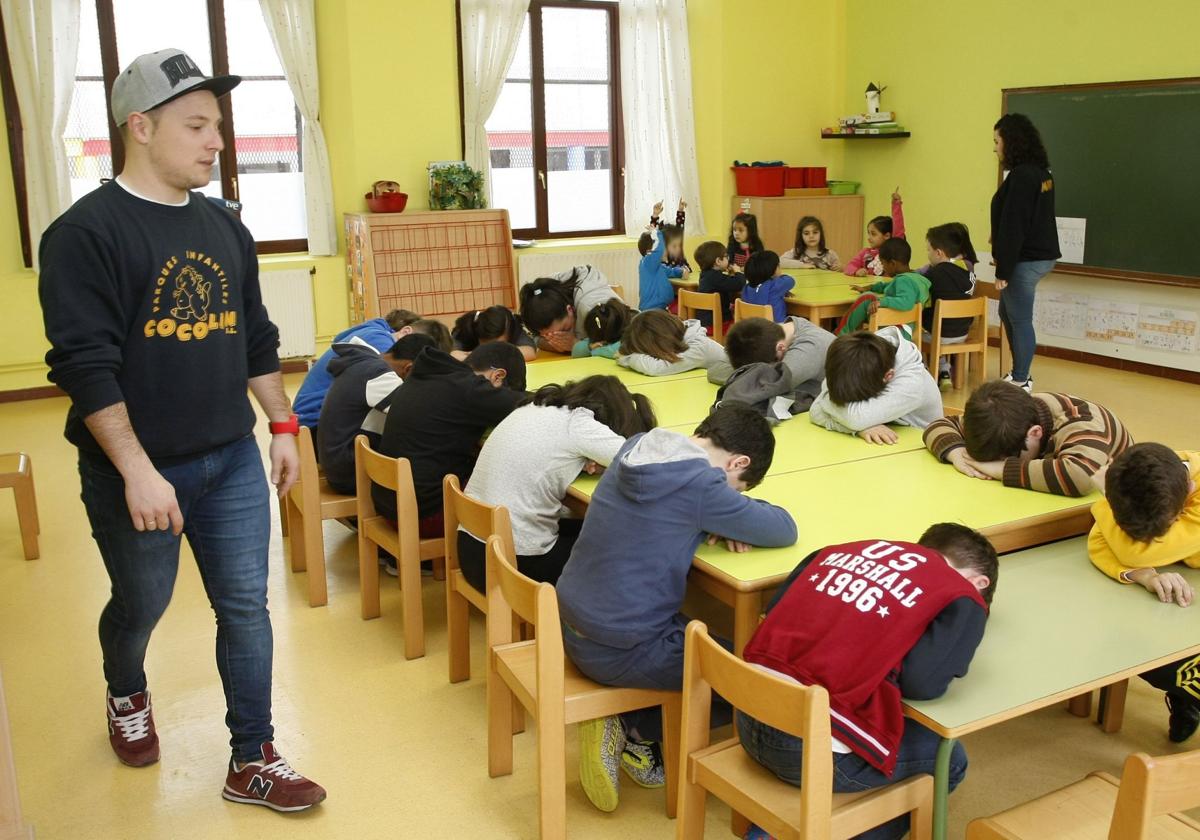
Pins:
x: 812, y: 278
x: 823, y: 295
x: 563, y: 370
x: 896, y: 496
x: 799, y: 445
x: 1057, y: 625
x: 677, y: 402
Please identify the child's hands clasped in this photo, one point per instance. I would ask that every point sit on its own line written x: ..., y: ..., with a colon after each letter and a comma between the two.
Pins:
x: 560, y: 341
x: 862, y: 272
x: 880, y: 434
x: 1166, y: 586
x: 733, y: 545
x: 968, y: 466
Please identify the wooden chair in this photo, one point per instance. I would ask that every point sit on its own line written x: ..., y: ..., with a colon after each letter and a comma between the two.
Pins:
x: 987, y: 291
x: 727, y: 771
x: 401, y: 540
x: 16, y: 471
x: 692, y: 303
x: 481, y: 521
x: 882, y: 317
x: 975, y: 344
x: 743, y: 310
x: 1142, y: 805
x: 618, y: 290
x: 309, y: 503
x: 12, y: 823
x: 540, y: 677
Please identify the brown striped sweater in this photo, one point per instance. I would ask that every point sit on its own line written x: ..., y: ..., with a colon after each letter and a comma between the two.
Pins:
x: 1080, y: 439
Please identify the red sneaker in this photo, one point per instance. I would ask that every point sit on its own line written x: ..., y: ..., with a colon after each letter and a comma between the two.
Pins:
x: 131, y: 729
x: 271, y: 782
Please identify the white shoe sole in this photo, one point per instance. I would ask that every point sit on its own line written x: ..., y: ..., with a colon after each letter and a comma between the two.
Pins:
x: 245, y: 800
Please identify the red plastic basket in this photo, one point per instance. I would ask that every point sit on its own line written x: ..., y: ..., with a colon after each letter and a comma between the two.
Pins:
x: 815, y: 176
x: 759, y: 180
x: 797, y: 176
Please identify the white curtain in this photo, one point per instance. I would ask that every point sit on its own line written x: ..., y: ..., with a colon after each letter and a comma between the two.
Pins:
x: 43, y: 46
x: 660, y: 135
x: 294, y: 33
x: 490, y: 32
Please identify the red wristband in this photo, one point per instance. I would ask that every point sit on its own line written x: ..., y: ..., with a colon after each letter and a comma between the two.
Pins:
x: 291, y: 426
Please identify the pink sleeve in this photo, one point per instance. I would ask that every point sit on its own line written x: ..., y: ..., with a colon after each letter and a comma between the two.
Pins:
x: 859, y: 261
x: 898, y: 218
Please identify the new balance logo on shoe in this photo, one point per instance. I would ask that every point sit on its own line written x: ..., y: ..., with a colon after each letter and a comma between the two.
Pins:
x: 260, y: 787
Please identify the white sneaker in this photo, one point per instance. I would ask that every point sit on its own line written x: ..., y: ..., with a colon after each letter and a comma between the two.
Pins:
x: 1027, y: 385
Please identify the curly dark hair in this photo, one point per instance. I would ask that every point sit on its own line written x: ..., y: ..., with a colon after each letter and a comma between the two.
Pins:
x: 1022, y: 142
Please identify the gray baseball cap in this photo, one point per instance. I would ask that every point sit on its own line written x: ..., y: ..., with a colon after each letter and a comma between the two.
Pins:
x: 156, y: 78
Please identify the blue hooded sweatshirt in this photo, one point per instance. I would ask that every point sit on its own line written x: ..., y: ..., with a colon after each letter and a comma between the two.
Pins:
x: 627, y: 574
x: 311, y: 395
x: 654, y: 277
x: 772, y: 292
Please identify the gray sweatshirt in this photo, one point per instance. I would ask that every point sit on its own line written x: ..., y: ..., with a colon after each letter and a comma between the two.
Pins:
x: 804, y: 358
x: 911, y: 398
x: 701, y: 352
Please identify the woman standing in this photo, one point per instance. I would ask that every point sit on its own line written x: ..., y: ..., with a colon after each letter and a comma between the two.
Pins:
x: 1024, y: 234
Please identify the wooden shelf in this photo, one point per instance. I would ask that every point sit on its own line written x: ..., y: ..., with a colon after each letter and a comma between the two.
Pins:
x: 888, y: 136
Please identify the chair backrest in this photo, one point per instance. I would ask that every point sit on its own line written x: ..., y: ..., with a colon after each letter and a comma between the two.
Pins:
x: 797, y: 709
x: 394, y: 474
x: 743, y: 310
x: 479, y: 520
x: 309, y: 472
x: 971, y: 308
x: 691, y: 303
x: 883, y: 317
x: 618, y: 290
x: 1151, y: 787
x: 511, y: 594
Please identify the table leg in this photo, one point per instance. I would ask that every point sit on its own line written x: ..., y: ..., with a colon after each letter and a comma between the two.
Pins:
x: 941, y: 787
x: 746, y: 608
x: 1080, y: 705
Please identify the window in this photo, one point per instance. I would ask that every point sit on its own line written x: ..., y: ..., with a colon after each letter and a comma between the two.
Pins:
x: 555, y: 132
x: 261, y: 165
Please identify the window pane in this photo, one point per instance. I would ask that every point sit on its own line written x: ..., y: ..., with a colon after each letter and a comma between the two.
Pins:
x: 269, y: 163
x: 140, y: 29
x: 89, y: 151
x: 579, y: 181
x: 510, y: 142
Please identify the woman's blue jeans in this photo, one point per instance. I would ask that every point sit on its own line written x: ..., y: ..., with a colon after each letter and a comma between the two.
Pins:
x: 1016, y: 313
x: 227, y: 521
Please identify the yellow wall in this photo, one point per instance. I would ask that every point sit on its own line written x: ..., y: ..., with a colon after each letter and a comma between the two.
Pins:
x: 945, y: 64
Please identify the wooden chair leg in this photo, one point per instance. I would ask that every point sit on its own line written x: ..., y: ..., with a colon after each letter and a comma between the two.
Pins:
x: 296, y: 543
x: 1114, y: 707
x: 314, y: 554
x: 439, y: 568
x: 368, y: 576
x: 672, y: 712
x: 689, y: 823
x: 27, y: 517
x: 552, y: 773
x: 283, y: 516
x: 921, y: 820
x: 414, y: 616
x: 739, y: 824
x: 458, y: 634
x: 500, y: 716
x: 1080, y: 705
x: 958, y: 370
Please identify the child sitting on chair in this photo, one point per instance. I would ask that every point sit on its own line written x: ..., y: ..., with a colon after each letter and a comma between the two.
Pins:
x: 604, y: 325
x: 1053, y: 443
x: 659, y: 245
x: 766, y: 285
x: 872, y: 379
x: 658, y: 344
x: 1150, y: 518
x: 715, y: 276
x: 873, y: 622
x: 903, y: 290
x: 948, y: 281
x: 796, y: 347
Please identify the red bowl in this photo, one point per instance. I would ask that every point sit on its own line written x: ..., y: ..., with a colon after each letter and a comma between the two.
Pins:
x: 387, y: 202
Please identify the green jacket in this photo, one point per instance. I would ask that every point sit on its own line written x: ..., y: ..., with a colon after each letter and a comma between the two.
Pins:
x: 904, y: 291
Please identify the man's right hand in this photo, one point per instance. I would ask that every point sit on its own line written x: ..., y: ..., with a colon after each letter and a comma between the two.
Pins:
x: 151, y: 501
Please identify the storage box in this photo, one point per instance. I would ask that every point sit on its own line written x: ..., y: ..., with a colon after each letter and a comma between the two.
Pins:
x: 760, y: 180
x: 843, y: 187
x: 804, y: 176
x: 815, y: 176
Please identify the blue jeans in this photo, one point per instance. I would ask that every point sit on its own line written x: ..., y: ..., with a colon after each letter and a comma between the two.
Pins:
x: 657, y: 663
x: 781, y: 754
x: 226, y: 518
x: 1016, y: 312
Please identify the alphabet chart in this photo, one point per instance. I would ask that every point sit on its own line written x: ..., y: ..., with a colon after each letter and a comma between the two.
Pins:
x: 1061, y: 314
x: 1164, y: 328
x: 1113, y: 321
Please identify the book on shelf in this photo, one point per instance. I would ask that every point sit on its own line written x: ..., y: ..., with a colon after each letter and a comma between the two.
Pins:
x: 868, y: 119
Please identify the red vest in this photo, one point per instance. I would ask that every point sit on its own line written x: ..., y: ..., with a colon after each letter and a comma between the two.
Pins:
x: 847, y: 622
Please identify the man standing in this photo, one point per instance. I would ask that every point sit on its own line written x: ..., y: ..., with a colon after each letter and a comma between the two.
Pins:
x: 152, y: 306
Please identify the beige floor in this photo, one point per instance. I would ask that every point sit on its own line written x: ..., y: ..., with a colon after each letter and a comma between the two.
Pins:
x: 402, y: 752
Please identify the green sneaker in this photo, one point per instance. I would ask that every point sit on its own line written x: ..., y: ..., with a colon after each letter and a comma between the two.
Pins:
x: 601, y: 743
x: 642, y: 762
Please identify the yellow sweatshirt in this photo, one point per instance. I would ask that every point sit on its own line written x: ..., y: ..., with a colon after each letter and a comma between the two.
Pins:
x: 1115, y: 552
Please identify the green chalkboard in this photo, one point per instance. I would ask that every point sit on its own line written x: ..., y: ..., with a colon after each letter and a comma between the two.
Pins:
x: 1126, y: 157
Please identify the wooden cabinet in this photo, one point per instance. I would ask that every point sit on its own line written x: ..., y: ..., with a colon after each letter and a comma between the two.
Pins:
x: 438, y: 264
x: 840, y: 215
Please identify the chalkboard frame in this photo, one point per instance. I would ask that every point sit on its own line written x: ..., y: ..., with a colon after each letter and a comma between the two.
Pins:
x: 1186, y: 280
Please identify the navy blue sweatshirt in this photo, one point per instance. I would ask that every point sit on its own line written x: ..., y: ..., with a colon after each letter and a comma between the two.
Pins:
x: 1023, y: 225
x: 628, y: 571
x: 158, y: 307
x: 943, y: 652
x: 355, y: 404
x: 727, y: 285
x: 948, y: 281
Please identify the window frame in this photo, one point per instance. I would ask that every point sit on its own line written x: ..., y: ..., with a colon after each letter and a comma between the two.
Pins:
x: 110, y: 64
x: 537, y: 84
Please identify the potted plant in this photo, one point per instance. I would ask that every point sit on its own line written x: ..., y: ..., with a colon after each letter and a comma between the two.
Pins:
x: 453, y: 185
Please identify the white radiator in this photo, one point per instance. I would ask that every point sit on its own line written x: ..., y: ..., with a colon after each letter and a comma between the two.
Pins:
x: 288, y: 296
x: 619, y: 266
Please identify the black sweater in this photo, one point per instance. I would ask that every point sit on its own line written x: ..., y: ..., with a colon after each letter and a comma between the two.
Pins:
x: 158, y: 307
x: 728, y: 285
x: 1023, y: 224
x: 942, y: 653
x: 436, y: 421
x: 948, y: 281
